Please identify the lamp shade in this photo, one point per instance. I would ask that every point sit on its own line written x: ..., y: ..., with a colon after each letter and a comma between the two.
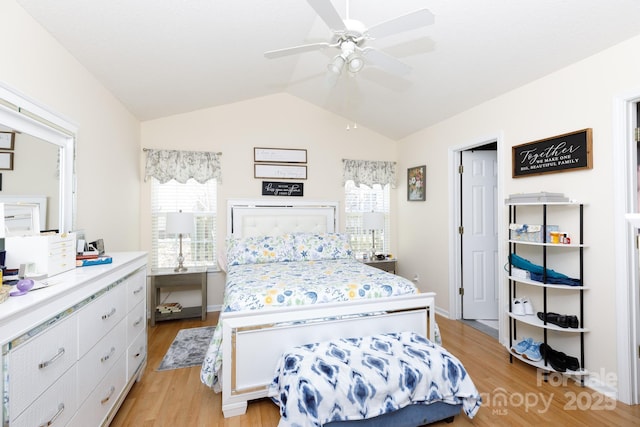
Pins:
x: 179, y: 223
x: 373, y: 220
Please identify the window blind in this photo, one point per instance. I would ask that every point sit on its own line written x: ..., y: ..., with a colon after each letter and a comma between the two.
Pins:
x: 360, y: 199
x: 199, y: 248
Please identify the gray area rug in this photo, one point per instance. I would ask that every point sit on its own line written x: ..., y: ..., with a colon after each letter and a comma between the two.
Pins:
x: 187, y: 349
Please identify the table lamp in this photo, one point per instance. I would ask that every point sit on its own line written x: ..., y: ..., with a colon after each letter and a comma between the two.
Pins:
x: 180, y: 223
x: 373, y: 221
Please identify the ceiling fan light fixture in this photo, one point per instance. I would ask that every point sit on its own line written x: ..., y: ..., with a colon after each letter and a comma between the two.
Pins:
x: 336, y: 65
x: 355, y: 63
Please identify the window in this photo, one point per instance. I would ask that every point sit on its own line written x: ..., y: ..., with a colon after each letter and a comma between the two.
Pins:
x: 199, y: 249
x: 366, y: 199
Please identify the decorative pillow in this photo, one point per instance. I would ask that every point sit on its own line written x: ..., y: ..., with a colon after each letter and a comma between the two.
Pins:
x: 259, y: 249
x: 314, y: 247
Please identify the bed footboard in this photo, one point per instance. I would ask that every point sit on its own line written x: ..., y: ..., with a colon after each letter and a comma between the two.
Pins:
x: 252, y: 342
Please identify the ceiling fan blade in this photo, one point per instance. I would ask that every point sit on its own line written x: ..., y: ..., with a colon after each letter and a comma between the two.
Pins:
x: 386, y: 62
x: 410, y: 21
x: 328, y: 14
x: 296, y: 49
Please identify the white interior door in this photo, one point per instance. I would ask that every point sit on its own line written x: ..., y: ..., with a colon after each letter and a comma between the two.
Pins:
x: 480, y: 235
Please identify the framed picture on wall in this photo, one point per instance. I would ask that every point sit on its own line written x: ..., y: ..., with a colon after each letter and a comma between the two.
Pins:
x: 7, y: 140
x: 279, y: 155
x: 417, y: 183
x: 6, y: 161
x: 279, y: 171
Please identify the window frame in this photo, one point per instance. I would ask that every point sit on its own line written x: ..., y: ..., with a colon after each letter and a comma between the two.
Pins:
x: 165, y: 249
x: 374, y: 199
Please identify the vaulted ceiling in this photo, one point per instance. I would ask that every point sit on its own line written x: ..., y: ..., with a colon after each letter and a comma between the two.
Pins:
x: 165, y: 57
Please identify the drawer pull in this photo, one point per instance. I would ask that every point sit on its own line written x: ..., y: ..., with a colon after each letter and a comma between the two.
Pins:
x: 58, y: 355
x: 139, y: 353
x: 137, y: 291
x: 108, y: 356
x: 109, y: 314
x: 137, y: 322
x: 56, y: 415
x: 106, y: 399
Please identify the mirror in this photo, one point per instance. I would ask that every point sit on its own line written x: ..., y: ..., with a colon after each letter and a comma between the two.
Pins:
x: 34, y: 178
x: 44, y: 152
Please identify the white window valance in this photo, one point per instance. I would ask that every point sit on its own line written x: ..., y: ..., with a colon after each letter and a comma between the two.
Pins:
x: 369, y: 172
x: 165, y: 165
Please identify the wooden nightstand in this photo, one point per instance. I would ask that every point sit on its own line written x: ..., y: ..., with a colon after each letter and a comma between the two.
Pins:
x: 388, y: 265
x: 194, y: 278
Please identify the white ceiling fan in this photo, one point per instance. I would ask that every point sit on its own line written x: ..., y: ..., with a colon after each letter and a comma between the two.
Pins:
x: 350, y: 37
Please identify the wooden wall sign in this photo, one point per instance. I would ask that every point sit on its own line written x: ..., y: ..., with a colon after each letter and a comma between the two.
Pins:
x: 272, y: 188
x: 560, y: 153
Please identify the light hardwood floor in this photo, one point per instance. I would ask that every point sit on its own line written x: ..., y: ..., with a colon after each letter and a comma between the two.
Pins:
x: 513, y: 394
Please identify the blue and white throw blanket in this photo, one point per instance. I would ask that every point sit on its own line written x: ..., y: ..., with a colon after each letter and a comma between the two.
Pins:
x: 358, y: 378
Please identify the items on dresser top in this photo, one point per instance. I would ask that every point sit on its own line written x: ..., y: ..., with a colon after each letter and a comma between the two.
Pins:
x: 41, y: 255
x: 22, y: 287
x: 4, y: 293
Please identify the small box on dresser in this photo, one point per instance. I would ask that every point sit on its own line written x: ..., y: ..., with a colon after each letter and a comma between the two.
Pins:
x: 50, y: 254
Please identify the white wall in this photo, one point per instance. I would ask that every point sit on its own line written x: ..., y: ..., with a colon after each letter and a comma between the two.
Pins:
x: 277, y: 121
x: 108, y: 138
x: 580, y: 96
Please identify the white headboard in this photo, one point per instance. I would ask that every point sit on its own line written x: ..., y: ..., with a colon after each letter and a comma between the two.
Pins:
x: 247, y: 218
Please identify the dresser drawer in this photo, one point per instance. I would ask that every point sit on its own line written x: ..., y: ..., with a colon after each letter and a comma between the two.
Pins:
x: 55, y: 406
x: 97, y: 406
x: 136, y: 289
x: 61, y: 263
x: 94, y: 365
x: 99, y: 317
x: 136, y: 321
x: 39, y: 362
x: 136, y: 354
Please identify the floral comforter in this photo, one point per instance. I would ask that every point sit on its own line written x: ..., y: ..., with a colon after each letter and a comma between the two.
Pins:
x: 280, y: 284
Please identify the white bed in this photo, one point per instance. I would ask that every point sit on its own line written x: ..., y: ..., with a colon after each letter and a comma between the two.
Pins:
x: 254, y: 340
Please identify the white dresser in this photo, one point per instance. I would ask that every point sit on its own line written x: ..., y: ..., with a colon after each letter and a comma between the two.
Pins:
x: 72, y: 351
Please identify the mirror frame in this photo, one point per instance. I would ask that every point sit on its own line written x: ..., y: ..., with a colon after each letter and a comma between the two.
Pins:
x: 25, y: 115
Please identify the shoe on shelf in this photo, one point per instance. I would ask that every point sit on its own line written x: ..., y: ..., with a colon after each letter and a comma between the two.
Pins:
x: 561, y: 320
x: 533, y: 352
x: 553, y: 358
x: 558, y: 360
x: 528, y: 307
x: 522, y: 346
x: 573, y: 364
x: 517, y: 307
